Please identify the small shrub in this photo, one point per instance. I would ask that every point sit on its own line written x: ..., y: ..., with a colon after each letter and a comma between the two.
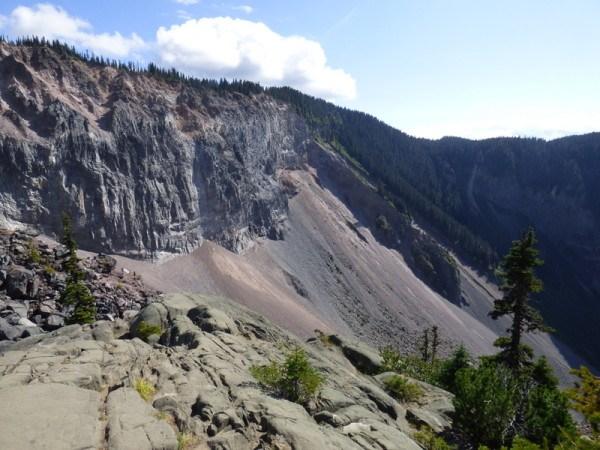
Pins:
x: 391, y: 359
x: 402, y: 389
x: 570, y: 440
x: 520, y: 443
x: 49, y: 270
x: 585, y: 397
x: 162, y: 415
x: 411, y: 366
x: 145, y: 330
x: 294, y: 379
x: 144, y: 388
x: 33, y: 253
x: 429, y: 441
x: 185, y: 441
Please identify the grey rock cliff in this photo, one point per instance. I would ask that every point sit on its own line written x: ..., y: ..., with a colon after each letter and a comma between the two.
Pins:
x: 142, y: 165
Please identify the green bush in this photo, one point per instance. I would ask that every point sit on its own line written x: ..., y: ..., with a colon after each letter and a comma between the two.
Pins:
x: 521, y: 443
x: 429, y: 441
x: 33, y: 253
x: 145, y: 330
x: 585, y: 397
x: 459, y: 360
x: 412, y: 366
x: 484, y: 404
x: 295, y: 378
x: 391, y: 359
x: 402, y: 389
x: 570, y: 440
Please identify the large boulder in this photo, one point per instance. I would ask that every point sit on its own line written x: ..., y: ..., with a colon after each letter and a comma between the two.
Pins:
x: 211, y: 320
x: 10, y: 331
x: 21, y: 283
x: 154, y: 315
x: 49, y: 417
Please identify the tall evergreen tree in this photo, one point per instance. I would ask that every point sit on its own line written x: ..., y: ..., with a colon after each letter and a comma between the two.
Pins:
x: 71, y: 263
x: 517, y: 272
x: 76, y: 293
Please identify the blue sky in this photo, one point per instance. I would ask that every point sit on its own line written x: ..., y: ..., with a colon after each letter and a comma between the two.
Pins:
x: 431, y: 68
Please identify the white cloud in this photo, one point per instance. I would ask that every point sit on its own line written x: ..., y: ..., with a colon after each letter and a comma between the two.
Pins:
x: 187, y: 2
x: 183, y: 14
x: 236, y: 48
x: 244, y: 8
x: 54, y: 22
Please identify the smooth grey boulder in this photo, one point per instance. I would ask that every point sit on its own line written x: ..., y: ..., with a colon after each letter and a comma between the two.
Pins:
x: 154, y: 314
x: 10, y: 331
x: 54, y: 321
x: 49, y: 417
x: 211, y: 319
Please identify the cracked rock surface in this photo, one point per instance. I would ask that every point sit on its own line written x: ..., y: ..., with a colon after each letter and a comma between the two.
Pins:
x: 75, y: 388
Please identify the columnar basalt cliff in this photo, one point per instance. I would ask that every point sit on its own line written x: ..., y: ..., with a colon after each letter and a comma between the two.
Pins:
x: 142, y: 165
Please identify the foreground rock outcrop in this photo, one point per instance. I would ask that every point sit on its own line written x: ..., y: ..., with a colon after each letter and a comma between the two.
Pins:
x: 76, y: 388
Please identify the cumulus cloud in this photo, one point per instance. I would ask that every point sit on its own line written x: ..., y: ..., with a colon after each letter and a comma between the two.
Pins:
x: 236, y: 48
x: 187, y: 2
x: 207, y: 47
x: 54, y: 22
x: 244, y: 8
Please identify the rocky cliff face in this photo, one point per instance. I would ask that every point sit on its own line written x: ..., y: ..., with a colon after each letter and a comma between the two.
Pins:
x: 142, y: 165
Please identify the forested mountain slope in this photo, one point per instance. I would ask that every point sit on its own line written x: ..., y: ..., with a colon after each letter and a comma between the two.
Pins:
x: 477, y: 196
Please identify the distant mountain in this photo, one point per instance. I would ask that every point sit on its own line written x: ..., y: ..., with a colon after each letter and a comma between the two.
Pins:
x: 332, y: 217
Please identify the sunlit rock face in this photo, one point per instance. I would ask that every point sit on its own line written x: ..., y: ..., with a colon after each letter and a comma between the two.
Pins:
x: 142, y: 165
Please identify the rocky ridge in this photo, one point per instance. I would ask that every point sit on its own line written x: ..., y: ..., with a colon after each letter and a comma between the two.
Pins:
x: 75, y: 387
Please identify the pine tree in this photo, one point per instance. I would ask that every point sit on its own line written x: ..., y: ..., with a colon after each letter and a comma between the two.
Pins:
x: 435, y: 342
x: 76, y: 293
x: 425, y: 345
x: 71, y: 263
x: 517, y: 272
